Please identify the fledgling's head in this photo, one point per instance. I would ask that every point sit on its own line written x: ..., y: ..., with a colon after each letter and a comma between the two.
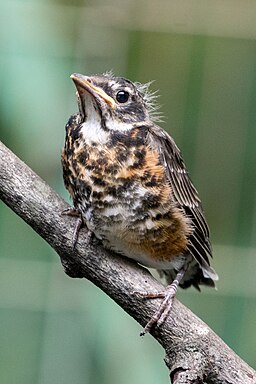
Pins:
x: 117, y: 103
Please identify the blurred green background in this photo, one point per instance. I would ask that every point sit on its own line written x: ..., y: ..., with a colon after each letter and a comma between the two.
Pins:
x: 202, y: 55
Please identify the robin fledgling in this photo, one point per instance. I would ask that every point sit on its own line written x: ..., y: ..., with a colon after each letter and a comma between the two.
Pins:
x: 131, y: 188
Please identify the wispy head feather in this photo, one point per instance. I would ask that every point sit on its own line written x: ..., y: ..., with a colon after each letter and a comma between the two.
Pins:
x: 150, y: 98
x: 109, y: 73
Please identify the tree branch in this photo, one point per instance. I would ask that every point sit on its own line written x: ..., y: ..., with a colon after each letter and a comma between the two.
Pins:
x: 194, y: 354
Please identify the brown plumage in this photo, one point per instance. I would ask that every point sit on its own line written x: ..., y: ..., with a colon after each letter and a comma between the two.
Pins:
x: 128, y: 181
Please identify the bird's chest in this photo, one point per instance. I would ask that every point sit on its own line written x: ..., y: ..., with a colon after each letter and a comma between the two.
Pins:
x: 123, y: 195
x: 108, y: 188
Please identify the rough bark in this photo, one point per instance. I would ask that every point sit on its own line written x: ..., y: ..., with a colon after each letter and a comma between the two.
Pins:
x: 194, y: 353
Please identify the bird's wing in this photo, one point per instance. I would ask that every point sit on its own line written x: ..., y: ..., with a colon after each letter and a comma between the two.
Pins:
x: 187, y: 198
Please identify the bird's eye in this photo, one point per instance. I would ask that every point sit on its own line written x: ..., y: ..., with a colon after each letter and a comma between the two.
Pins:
x: 122, y: 96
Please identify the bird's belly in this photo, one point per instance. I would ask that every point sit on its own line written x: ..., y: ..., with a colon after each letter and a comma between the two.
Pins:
x: 143, y: 257
x: 138, y: 235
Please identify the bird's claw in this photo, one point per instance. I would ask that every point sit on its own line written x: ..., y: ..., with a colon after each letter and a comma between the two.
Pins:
x: 73, y: 212
x: 162, y: 312
x: 165, y: 308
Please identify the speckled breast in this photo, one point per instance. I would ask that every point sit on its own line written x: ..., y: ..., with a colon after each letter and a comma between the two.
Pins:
x: 121, y: 190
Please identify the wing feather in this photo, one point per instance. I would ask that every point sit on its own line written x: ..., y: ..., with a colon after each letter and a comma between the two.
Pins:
x: 186, y: 197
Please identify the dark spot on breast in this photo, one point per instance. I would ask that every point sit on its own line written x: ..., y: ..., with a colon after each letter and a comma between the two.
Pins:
x: 98, y: 181
x: 112, y: 169
x: 69, y: 151
x: 102, y: 160
x: 126, y: 183
x: 82, y: 158
x: 140, y: 159
x: 116, y: 191
x: 166, y: 215
x: 146, y: 176
x: 99, y: 204
x: 151, y: 201
x: 97, y: 195
x: 120, y: 188
x: 111, y: 191
x: 93, y: 166
x: 89, y: 167
x: 122, y: 156
x: 152, y: 182
x: 140, y: 153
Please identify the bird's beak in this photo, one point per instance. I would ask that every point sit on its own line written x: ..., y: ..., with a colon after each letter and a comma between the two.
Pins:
x: 85, y: 83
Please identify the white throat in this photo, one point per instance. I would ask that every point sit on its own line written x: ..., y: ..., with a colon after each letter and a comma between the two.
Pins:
x: 91, y: 129
x: 119, y: 126
x: 93, y: 133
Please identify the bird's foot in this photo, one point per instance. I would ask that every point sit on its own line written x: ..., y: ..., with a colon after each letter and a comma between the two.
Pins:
x: 165, y: 308
x: 73, y: 212
x: 162, y: 312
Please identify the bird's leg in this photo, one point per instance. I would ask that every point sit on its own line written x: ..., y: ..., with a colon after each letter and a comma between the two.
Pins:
x: 79, y: 224
x: 168, y: 296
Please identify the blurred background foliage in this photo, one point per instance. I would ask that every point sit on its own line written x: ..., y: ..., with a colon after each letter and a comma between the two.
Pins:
x: 202, y: 55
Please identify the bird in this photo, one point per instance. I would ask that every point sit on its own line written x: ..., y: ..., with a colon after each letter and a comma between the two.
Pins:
x: 130, y: 186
